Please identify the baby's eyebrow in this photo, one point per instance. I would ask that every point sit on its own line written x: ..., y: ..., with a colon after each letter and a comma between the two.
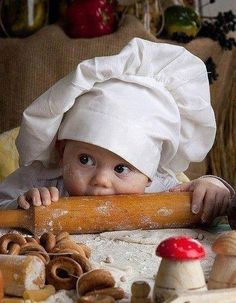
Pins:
x: 83, y: 150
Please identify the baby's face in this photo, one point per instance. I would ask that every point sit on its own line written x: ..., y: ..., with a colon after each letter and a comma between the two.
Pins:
x: 92, y: 170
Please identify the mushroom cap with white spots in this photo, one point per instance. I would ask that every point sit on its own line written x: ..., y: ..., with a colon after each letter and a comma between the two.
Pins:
x: 181, y: 248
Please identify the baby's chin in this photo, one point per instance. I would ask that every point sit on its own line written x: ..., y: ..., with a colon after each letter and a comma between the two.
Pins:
x: 99, y: 192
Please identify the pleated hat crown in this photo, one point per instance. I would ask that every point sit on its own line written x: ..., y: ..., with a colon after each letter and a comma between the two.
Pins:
x: 149, y: 104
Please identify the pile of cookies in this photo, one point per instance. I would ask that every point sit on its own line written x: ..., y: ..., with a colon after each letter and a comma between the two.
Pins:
x: 67, y: 264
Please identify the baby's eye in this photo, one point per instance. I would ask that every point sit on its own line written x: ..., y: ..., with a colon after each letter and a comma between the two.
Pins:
x: 122, y: 169
x: 86, y: 160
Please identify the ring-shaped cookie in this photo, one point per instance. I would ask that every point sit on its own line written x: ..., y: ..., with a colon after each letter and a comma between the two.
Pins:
x: 64, y: 235
x: 30, y: 246
x: 63, y: 266
x: 86, y: 249
x: 6, y: 239
x: 13, y: 248
x: 48, y: 241
x: 32, y: 240
x: 68, y: 244
x: 96, y: 299
x: 83, y: 262
x: 93, y: 280
x: 41, y: 255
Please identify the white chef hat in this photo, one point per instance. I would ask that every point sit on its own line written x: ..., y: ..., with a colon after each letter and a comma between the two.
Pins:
x: 149, y: 104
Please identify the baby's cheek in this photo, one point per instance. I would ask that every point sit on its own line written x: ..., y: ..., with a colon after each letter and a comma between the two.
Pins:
x: 139, y: 184
x: 133, y: 187
x: 70, y: 170
x: 67, y: 170
x: 74, y: 180
x: 69, y: 175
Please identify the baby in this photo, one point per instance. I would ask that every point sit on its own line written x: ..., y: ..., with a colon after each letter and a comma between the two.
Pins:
x: 123, y: 124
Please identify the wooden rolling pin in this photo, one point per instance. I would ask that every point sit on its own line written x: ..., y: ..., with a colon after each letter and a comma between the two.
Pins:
x: 92, y: 214
x: 21, y: 273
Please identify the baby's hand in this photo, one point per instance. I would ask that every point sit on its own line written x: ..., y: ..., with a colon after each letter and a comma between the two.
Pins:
x: 38, y: 196
x: 209, y: 194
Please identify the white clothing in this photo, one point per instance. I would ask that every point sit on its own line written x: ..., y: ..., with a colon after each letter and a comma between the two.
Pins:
x: 36, y: 175
x: 154, y: 98
x: 150, y: 99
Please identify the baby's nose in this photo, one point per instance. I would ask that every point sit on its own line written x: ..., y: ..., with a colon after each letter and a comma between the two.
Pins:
x: 102, y: 178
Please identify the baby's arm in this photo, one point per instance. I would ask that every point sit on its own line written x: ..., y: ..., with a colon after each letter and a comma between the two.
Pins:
x: 15, y: 185
x: 211, y: 194
x: 23, y: 181
x: 38, y: 196
x: 162, y: 182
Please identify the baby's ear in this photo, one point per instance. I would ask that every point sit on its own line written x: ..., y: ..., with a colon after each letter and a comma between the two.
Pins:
x: 149, y: 183
x: 60, y: 147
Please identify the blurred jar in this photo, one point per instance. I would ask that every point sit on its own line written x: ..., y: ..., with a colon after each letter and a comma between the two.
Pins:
x: 148, y: 11
x: 21, y: 18
x: 57, y: 11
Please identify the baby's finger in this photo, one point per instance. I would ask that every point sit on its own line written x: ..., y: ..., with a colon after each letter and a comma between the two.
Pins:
x: 208, y: 207
x: 45, y: 196
x: 225, y: 206
x: 217, y: 205
x: 33, y: 197
x: 197, y: 199
x: 181, y: 187
x: 22, y: 202
x: 54, y: 192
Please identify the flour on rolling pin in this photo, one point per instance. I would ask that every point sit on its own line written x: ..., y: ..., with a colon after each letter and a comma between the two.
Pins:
x: 56, y: 214
x: 21, y: 273
x: 164, y: 211
x: 94, y: 214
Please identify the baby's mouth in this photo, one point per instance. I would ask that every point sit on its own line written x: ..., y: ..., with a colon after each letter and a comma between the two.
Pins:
x: 100, y: 192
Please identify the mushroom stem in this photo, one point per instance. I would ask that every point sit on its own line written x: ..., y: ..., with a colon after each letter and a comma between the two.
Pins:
x: 223, y: 273
x: 174, y: 277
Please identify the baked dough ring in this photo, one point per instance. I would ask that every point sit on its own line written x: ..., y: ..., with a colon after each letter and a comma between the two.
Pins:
x: 96, y: 299
x: 94, y: 279
x: 6, y: 239
x: 86, y: 249
x: 29, y: 247
x: 64, y: 235
x: 41, y: 255
x: 34, y: 249
x: 32, y: 240
x: 68, y: 244
x: 48, y: 241
x: 63, y: 266
x: 115, y: 292
x: 13, y: 248
x: 83, y: 262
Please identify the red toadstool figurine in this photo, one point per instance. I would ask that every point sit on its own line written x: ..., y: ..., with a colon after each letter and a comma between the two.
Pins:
x: 180, y: 269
